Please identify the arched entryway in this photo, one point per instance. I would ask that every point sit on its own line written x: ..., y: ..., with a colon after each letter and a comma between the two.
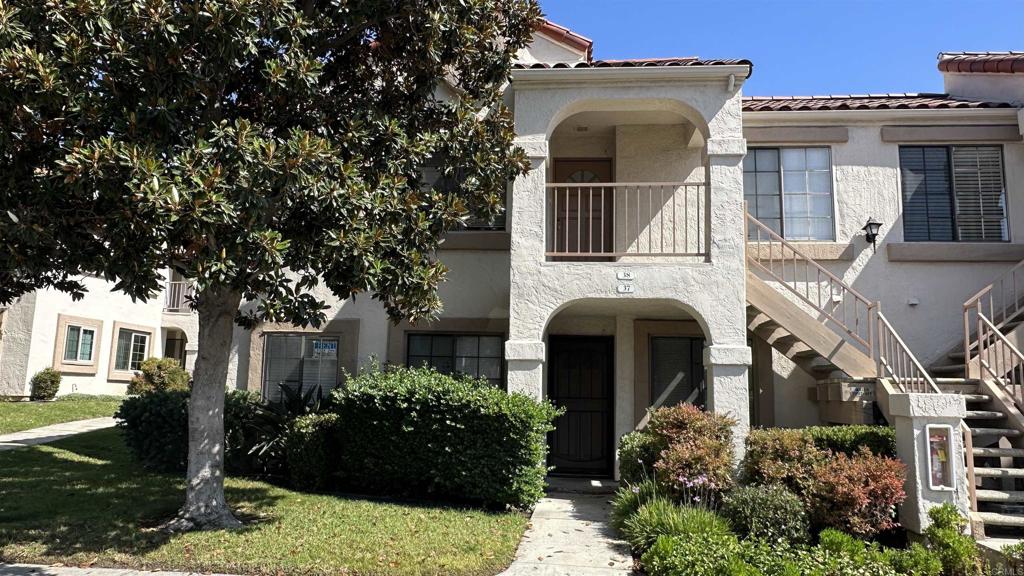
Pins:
x: 608, y: 362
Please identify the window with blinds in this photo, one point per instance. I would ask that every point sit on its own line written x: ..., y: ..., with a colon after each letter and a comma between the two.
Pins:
x: 299, y: 361
x: 953, y: 193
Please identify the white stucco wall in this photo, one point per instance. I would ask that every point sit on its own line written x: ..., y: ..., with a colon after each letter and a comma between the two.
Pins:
x: 990, y: 87
x: 100, y: 303
x: 16, y: 340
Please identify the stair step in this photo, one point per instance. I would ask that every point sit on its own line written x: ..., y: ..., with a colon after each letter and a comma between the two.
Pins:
x: 999, y: 496
x: 947, y: 370
x: 824, y: 367
x: 999, y: 472
x: 997, y: 519
x: 805, y: 353
x: 976, y: 398
x: 998, y: 452
x: 956, y: 356
x: 984, y: 415
x: 762, y: 321
x: 1008, y: 432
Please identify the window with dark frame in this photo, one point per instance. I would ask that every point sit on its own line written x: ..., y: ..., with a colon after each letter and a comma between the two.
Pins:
x: 474, y: 355
x: 953, y: 194
x: 790, y: 190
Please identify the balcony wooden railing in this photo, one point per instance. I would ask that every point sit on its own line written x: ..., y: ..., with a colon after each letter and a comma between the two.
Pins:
x: 176, y: 296
x: 623, y: 219
x: 854, y: 317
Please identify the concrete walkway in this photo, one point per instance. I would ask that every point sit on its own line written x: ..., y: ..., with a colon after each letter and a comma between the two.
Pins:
x: 53, y: 432
x: 569, y: 536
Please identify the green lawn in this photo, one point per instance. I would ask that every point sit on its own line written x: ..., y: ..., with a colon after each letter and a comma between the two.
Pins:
x: 17, y: 416
x: 83, y: 501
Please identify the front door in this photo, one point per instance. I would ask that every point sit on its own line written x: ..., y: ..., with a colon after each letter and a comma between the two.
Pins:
x: 580, y: 380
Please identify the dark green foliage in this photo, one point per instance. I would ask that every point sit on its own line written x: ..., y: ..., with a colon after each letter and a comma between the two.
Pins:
x: 159, y: 374
x: 417, y: 432
x: 881, y: 440
x: 638, y: 453
x: 914, y: 561
x: 662, y: 517
x: 45, y: 384
x: 628, y: 499
x: 768, y: 513
x: 701, y: 554
x: 273, y: 420
x: 310, y: 450
x: 155, y: 428
x: 945, y: 535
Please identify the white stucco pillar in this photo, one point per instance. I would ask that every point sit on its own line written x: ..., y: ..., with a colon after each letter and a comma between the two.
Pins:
x: 525, y: 349
x: 625, y: 379
x: 728, y: 393
x: 912, y: 414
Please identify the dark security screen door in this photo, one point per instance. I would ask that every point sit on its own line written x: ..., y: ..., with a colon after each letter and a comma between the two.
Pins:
x: 580, y: 380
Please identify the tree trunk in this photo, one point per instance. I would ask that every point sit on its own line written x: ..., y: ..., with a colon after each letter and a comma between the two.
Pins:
x: 205, y: 507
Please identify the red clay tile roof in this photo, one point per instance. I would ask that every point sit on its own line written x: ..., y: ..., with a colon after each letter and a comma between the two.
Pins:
x: 566, y: 36
x: 982, y: 62
x: 638, y: 63
x: 863, y: 102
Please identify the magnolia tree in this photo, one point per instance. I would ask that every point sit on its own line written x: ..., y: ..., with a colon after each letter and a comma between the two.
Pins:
x: 259, y: 148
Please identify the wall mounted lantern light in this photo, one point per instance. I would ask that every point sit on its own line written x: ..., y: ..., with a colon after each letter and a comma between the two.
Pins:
x: 871, y: 232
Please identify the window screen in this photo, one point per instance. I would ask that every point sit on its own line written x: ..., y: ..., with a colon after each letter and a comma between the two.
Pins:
x: 479, y: 356
x: 299, y: 361
x: 953, y: 193
x: 677, y: 371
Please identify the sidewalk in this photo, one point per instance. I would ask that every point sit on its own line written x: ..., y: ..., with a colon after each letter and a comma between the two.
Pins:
x: 52, y: 432
x: 569, y: 536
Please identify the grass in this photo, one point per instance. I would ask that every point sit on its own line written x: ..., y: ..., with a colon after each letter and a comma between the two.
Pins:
x: 18, y: 416
x: 82, y: 501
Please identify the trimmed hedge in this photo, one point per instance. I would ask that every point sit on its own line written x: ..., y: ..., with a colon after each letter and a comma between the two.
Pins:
x: 768, y: 513
x: 415, y: 432
x: 45, y: 384
x: 310, y: 449
x: 159, y: 374
x: 155, y: 429
x: 881, y: 440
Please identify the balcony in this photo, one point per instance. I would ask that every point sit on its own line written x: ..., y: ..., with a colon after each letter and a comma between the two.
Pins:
x: 176, y: 296
x: 605, y: 222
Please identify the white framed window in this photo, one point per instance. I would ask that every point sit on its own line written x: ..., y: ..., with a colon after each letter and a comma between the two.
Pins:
x: 79, y: 344
x: 132, y: 347
x: 790, y: 190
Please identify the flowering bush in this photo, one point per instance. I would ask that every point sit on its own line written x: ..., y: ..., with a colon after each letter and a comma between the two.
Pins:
x: 857, y: 494
x: 696, y: 467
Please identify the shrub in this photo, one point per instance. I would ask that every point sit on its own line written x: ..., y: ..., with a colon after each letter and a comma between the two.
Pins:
x: 417, y: 432
x: 769, y: 513
x: 628, y: 499
x: 662, y: 517
x: 45, y: 384
x: 1014, y: 554
x: 702, y: 554
x: 914, y: 561
x: 155, y: 429
x: 881, y: 440
x: 638, y: 452
x: 956, y: 550
x: 697, y: 464
x: 309, y: 450
x: 159, y: 374
x: 781, y: 456
x: 857, y: 494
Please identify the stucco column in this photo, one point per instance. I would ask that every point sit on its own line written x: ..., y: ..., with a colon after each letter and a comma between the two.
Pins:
x: 728, y: 393
x: 911, y: 415
x: 625, y: 379
x: 525, y: 349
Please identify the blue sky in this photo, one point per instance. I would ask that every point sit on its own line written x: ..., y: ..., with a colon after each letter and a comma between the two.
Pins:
x: 852, y: 46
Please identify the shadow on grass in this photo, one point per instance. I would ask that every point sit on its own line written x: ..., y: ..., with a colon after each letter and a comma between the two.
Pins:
x: 85, y: 494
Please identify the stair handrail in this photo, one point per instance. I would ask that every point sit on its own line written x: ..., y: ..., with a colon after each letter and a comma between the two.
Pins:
x: 898, y: 363
x: 972, y: 489
x: 999, y: 360
x: 761, y: 231
x: 1000, y: 301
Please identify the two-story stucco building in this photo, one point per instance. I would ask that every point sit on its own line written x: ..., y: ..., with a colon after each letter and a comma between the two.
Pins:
x: 675, y: 241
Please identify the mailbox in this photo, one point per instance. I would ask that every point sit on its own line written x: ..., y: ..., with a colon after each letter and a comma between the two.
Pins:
x: 940, y: 457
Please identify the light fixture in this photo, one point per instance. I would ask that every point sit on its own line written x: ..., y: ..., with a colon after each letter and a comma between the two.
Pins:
x: 871, y: 232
